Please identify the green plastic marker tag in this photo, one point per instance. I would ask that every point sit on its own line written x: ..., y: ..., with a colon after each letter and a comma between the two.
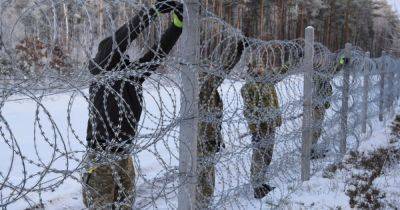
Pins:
x: 342, y: 61
x: 178, y: 23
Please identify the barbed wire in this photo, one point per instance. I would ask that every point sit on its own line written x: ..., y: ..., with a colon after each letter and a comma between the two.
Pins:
x: 250, y: 102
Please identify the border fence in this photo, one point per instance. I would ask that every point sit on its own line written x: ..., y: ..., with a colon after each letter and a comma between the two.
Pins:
x: 327, y: 101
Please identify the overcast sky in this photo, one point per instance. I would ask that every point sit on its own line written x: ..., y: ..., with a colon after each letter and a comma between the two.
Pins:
x: 396, y: 5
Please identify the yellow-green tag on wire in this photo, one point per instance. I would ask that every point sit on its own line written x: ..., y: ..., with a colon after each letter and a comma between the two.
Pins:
x: 341, y: 60
x: 91, y: 170
x: 178, y: 23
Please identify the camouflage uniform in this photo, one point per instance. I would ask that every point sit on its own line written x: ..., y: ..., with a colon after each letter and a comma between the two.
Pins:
x: 108, y: 185
x: 210, y: 114
x: 209, y: 137
x: 323, y: 90
x: 261, y: 110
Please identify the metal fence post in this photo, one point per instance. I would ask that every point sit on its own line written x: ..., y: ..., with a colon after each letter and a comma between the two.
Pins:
x: 189, y: 107
x: 364, y: 111
x: 345, y: 102
x: 382, y: 70
x: 307, y: 104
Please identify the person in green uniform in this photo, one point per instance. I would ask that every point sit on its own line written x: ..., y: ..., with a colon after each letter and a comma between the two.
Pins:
x: 210, y: 141
x: 261, y: 110
x: 323, y: 91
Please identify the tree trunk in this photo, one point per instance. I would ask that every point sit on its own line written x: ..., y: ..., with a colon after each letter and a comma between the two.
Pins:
x: 101, y: 17
x: 281, y: 19
x: 235, y: 14
x: 261, y: 21
x: 66, y: 35
x: 250, y: 27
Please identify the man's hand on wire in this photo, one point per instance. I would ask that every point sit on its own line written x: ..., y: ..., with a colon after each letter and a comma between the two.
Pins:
x: 166, y: 6
x: 178, y: 11
x: 177, y: 18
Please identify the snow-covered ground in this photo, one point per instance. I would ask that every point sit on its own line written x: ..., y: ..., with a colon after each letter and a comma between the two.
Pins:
x: 152, y: 163
x: 329, y: 193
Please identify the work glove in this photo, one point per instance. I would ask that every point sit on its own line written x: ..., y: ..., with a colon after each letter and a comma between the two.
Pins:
x: 166, y: 6
x: 178, y: 11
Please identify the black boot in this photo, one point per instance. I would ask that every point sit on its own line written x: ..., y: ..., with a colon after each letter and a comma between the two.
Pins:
x: 261, y: 192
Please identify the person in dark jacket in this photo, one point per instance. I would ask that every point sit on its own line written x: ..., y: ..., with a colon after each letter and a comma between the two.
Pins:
x: 115, y: 107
